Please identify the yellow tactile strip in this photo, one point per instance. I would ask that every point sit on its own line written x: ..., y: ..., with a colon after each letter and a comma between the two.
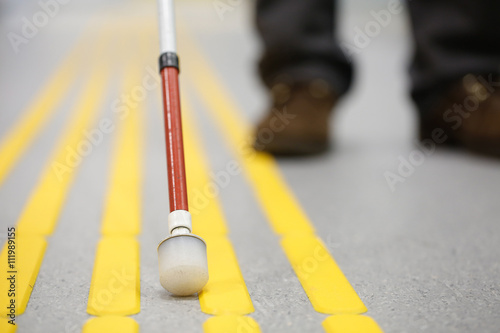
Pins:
x: 350, y: 324
x: 282, y: 209
x: 27, y: 256
x: 314, y: 266
x: 226, y: 291
x: 206, y: 211
x: 6, y: 327
x: 115, y: 288
x: 231, y: 324
x: 115, y: 285
x: 122, y: 210
x: 271, y: 188
x: 111, y: 324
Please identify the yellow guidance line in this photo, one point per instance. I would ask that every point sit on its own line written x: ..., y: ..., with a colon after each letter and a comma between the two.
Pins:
x: 118, y: 250
x: 5, y: 327
x: 38, y: 113
x: 122, y: 212
x: 231, y: 324
x: 325, y: 284
x: 204, y: 207
x: 41, y: 212
x: 226, y: 291
x: 283, y: 210
x: 111, y: 324
x: 21, y: 271
x: 350, y: 324
x: 115, y: 286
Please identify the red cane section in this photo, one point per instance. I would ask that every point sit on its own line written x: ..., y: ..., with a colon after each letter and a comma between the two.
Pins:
x: 173, y: 138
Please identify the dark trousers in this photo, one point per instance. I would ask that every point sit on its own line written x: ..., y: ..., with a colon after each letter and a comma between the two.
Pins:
x: 452, y: 38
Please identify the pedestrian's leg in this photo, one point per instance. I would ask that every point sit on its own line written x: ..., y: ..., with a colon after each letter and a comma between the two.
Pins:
x: 305, y: 70
x: 455, y: 69
x: 299, y: 43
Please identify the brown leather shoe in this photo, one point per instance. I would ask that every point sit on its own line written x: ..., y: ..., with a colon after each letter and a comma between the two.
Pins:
x: 297, y: 123
x: 468, y: 116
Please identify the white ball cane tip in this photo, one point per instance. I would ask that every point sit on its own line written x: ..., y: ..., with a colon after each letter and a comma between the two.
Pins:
x: 184, y: 280
x: 183, y: 265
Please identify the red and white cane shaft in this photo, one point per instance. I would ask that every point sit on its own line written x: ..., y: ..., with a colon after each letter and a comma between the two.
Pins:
x: 173, y: 139
x: 169, y: 67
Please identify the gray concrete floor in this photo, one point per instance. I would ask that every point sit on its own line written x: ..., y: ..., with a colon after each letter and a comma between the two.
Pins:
x: 423, y: 258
